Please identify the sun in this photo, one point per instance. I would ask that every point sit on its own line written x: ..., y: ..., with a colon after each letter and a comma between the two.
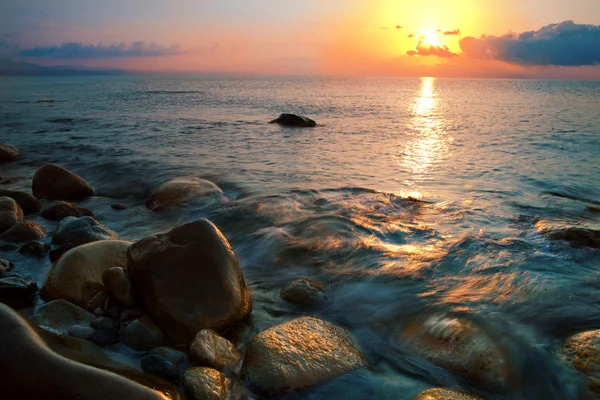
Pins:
x: 431, y: 38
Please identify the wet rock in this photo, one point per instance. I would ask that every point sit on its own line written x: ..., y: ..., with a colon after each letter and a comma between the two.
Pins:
x: 5, y: 266
x: 211, y: 350
x: 23, y: 232
x: 31, y: 370
x: 81, y: 332
x: 16, y: 290
x: 35, y: 248
x: 60, y: 315
x: 304, y: 291
x: 176, y: 357
x: 179, y: 191
x: 14, y: 179
x: 106, y: 331
x: 56, y: 253
x: 583, y: 352
x: 205, y: 384
x: 445, y: 394
x: 159, y: 366
x: 27, y: 202
x: 129, y: 314
x: 595, y: 209
x: 98, y: 301
x: 576, y: 236
x: 10, y: 213
x: 189, y: 279
x: 119, y: 207
x: 54, y: 182
x: 81, y: 230
x: 77, y: 275
x: 460, y: 347
x: 8, y: 153
x: 294, y: 120
x: 62, y: 209
x: 143, y: 334
x: 298, y: 354
x: 117, y: 282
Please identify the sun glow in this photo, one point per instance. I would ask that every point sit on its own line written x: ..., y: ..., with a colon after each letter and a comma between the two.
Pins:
x: 432, y: 38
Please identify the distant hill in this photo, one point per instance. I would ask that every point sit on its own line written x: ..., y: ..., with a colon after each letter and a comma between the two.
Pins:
x: 15, y: 68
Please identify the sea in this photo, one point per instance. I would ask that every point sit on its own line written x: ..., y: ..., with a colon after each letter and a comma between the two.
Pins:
x: 411, y: 197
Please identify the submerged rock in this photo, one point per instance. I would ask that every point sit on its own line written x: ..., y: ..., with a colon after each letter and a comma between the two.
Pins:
x: 160, y: 366
x: 62, y: 209
x: 27, y: 202
x: 119, y: 206
x: 35, y: 248
x: 294, y: 120
x: 117, y: 282
x: 82, y: 230
x: 5, y: 266
x: 10, y: 214
x: 445, y: 394
x: 17, y: 290
x: 179, y: 191
x: 189, y: 279
x: 576, y: 236
x: 206, y: 384
x: 143, y: 334
x: 23, y: 232
x: 583, y: 352
x: 298, y: 354
x: 77, y: 275
x: 56, y: 253
x: 54, y: 182
x: 60, y: 315
x: 211, y: 350
x: 8, y: 153
x: 304, y: 291
x: 106, y: 331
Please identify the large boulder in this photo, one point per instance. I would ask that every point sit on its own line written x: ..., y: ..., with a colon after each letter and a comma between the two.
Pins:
x: 31, y: 370
x: 304, y: 292
x: 182, y: 190
x: 59, y: 315
x: 23, y: 232
x: 27, y: 202
x: 304, y: 352
x: 63, y: 209
x: 8, y: 153
x: 81, y: 230
x: 17, y: 290
x: 211, y: 350
x: 77, y: 275
x: 294, y: 120
x: 189, y: 279
x: 10, y: 213
x: 54, y: 182
x: 206, y: 384
x: 583, y: 352
x: 445, y: 394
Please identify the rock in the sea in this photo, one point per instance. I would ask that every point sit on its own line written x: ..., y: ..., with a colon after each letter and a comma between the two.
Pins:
x: 176, y: 357
x: 119, y: 206
x: 206, y: 384
x: 460, y: 347
x: 60, y: 315
x: 54, y: 182
x: 8, y: 153
x: 81, y: 332
x: 445, y: 394
x: 23, y: 232
x: 304, y: 352
x: 179, y: 191
x: 106, y: 331
x: 5, y: 266
x: 63, y: 209
x: 143, y: 334
x: 583, y: 352
x: 304, y: 291
x: 160, y: 366
x: 576, y: 236
x: 294, y: 120
x: 117, y: 282
x: 16, y: 290
x: 82, y: 230
x: 30, y: 370
x: 77, y: 275
x: 14, y: 179
x: 57, y: 252
x: 189, y: 279
x: 35, y: 248
x: 27, y: 202
x: 10, y: 213
x: 211, y: 350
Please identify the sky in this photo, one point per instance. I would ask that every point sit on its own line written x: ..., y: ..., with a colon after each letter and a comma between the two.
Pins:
x: 454, y: 38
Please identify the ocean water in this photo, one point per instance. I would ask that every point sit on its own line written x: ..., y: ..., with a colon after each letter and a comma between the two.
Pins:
x: 412, y: 197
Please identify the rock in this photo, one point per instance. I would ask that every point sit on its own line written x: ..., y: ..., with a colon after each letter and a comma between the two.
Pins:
x: 460, y: 347
x: 129, y: 314
x: 143, y: 334
x: 294, y: 120
x: 211, y: 350
x: 62, y: 209
x: 176, y: 357
x: 304, y: 352
x: 10, y: 214
x: 16, y: 290
x: 576, y: 236
x: 583, y: 352
x: 179, y: 191
x: 159, y: 366
x: 304, y: 291
x: 60, y: 315
x: 81, y: 230
x: 5, y: 266
x: 119, y: 207
x: 23, y: 232
x: 106, y: 331
x: 189, y: 279
x: 445, y: 394
x: 54, y: 182
x: 31, y: 370
x: 116, y: 281
x: 35, y: 248
x: 77, y: 275
x: 14, y: 179
x: 27, y: 202
x: 56, y: 253
x: 8, y: 153
x: 81, y: 332
x: 206, y: 384
x: 98, y: 301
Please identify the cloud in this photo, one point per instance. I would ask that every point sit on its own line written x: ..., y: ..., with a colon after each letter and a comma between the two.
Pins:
x: 399, y: 26
x: 412, y: 35
x: 75, y: 50
x: 425, y: 50
x: 453, y: 32
x: 562, y: 44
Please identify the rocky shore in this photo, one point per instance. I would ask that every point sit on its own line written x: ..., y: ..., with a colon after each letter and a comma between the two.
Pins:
x: 173, y: 299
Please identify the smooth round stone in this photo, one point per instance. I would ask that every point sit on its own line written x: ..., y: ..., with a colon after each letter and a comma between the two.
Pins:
x: 204, y: 383
x: 63, y: 209
x: 143, y: 334
x: 5, y: 266
x: 54, y: 182
x: 304, y: 292
x: 294, y: 120
x: 10, y: 214
x: 82, y: 230
x: 60, y: 315
x: 446, y: 394
x: 211, y: 350
x: 8, y: 153
x: 117, y: 282
x: 35, y: 248
x: 81, y: 332
x: 23, y: 232
x: 176, y: 192
x: 27, y: 202
x: 160, y: 366
x: 174, y: 356
x: 16, y: 290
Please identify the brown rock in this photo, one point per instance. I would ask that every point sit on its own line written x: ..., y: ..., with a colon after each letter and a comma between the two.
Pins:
x: 211, y: 350
x: 304, y: 292
x: 63, y: 209
x: 59, y: 315
x: 446, y: 394
x: 143, y: 334
x: 206, y: 384
x: 179, y: 191
x: 117, y: 283
x: 27, y: 202
x: 23, y: 232
x: 583, y: 352
x: 8, y: 153
x: 10, y: 213
x: 54, y: 182
x: 82, y: 230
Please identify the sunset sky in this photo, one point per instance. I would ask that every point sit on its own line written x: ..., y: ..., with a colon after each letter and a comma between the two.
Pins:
x: 464, y: 38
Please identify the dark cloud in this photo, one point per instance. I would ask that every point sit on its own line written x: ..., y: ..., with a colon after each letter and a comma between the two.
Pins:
x: 562, y: 44
x: 412, y: 35
x: 453, y: 32
x: 399, y: 27
x: 75, y: 50
x: 427, y: 50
